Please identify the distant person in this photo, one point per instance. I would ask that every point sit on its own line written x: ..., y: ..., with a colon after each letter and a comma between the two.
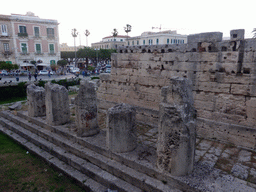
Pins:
x: 49, y: 74
x: 35, y: 75
x: 29, y: 76
x: 83, y: 73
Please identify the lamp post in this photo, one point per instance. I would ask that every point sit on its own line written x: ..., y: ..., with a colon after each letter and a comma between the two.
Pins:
x: 114, y: 33
x: 127, y: 29
x: 87, y: 33
x: 74, y: 33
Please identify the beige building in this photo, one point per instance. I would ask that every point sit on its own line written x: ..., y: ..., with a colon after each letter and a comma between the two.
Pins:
x: 110, y: 42
x: 26, y: 38
x: 65, y: 48
x: 157, y: 38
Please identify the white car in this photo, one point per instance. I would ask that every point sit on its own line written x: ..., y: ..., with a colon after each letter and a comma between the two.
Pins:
x: 75, y: 70
x: 44, y: 72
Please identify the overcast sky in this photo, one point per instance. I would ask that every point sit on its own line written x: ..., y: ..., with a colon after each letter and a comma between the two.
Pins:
x: 100, y: 17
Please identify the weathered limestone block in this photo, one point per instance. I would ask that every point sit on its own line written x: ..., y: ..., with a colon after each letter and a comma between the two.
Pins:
x: 86, y: 109
x: 36, y: 101
x: 57, y: 104
x: 176, y: 129
x: 121, y: 135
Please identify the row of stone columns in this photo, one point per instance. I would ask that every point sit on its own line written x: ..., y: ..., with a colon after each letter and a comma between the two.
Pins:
x: 176, y: 129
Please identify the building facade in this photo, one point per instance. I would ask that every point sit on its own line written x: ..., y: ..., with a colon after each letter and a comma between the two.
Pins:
x: 29, y: 38
x: 157, y: 38
x: 64, y: 47
x: 110, y: 42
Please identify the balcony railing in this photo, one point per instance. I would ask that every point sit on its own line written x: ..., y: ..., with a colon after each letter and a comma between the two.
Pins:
x: 50, y: 36
x: 23, y: 34
x: 7, y: 53
x: 39, y: 53
x: 24, y: 53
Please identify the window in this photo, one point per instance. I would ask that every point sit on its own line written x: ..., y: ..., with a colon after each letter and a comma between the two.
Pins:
x: 50, y: 32
x: 150, y: 41
x: 4, y: 30
x: 132, y: 42
x: 52, y: 62
x: 144, y: 42
x: 22, y: 29
x: 51, y: 47
x: 168, y: 41
x: 36, y: 31
x: 6, y: 47
x: 24, y: 48
x: 121, y: 39
x: 157, y: 41
x: 38, y: 48
x: 138, y: 42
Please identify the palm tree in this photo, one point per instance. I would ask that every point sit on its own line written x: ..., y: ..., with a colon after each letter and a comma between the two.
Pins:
x: 254, y: 33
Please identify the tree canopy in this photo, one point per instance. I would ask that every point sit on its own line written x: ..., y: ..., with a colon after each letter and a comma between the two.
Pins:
x: 89, y: 53
x: 8, y: 66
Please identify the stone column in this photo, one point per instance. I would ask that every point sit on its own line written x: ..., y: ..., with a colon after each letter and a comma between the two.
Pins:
x: 121, y: 128
x: 177, y: 128
x: 57, y: 104
x: 35, y: 100
x: 86, y: 109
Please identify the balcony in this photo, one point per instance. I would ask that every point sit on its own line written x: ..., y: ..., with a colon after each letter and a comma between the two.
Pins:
x: 37, y: 36
x: 39, y: 53
x: 6, y: 53
x: 50, y: 36
x: 52, y: 53
x: 24, y: 53
x: 22, y: 34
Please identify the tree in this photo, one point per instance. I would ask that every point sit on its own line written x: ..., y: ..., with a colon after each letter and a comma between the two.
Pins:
x: 254, y: 33
x: 62, y: 63
x: 8, y: 66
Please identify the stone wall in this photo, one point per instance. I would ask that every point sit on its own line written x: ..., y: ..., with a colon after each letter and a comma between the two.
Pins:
x: 223, y: 74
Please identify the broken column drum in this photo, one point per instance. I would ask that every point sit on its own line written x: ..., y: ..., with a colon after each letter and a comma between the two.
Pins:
x: 121, y: 128
x: 86, y: 109
x: 176, y: 129
x: 57, y: 104
x: 36, y: 101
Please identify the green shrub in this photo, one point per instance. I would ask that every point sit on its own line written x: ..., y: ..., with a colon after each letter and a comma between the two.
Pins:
x: 94, y: 78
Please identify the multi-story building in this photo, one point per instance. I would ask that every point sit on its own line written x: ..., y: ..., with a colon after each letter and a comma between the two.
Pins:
x: 29, y: 38
x: 110, y: 42
x: 157, y: 38
x: 6, y: 41
x: 66, y: 48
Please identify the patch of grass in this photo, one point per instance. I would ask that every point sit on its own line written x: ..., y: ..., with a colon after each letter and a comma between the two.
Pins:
x: 22, y: 171
x: 11, y: 100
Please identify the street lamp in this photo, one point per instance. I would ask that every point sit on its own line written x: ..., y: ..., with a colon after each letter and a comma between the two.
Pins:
x: 74, y: 33
x: 127, y: 29
x: 114, y: 33
x: 87, y: 33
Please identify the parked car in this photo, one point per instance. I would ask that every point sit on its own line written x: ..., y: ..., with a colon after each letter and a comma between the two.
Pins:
x: 75, y: 70
x: 108, y: 70
x: 4, y: 73
x: 23, y: 72
x: 44, y: 72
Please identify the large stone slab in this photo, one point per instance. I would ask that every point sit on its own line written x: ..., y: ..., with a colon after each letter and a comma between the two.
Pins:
x: 121, y: 128
x: 36, y: 101
x: 57, y: 104
x: 86, y: 109
x: 176, y: 138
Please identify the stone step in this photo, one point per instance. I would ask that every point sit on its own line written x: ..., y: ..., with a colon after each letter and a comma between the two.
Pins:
x: 93, y: 173
x: 84, y: 181
x: 142, y: 168
x: 113, y: 167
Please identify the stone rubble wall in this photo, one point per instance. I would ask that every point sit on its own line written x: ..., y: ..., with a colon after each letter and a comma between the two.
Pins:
x: 223, y: 74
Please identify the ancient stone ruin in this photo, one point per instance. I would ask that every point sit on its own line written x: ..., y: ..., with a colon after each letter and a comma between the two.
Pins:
x: 36, y: 101
x: 176, y: 128
x: 86, y: 109
x: 223, y: 76
x: 57, y: 104
x: 121, y: 128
